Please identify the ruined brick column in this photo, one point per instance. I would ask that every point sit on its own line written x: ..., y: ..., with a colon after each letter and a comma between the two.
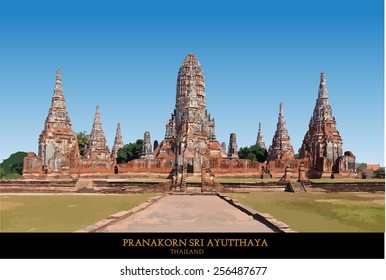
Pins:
x: 232, y: 147
x: 147, y: 151
x: 287, y: 174
x: 302, y: 174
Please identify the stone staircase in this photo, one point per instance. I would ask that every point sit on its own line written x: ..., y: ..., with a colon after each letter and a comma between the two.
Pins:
x: 193, y: 188
x: 296, y: 187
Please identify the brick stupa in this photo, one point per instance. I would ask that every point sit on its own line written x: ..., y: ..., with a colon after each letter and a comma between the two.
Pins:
x: 281, y: 148
x: 98, y: 149
x: 322, y: 144
x: 260, y: 137
x: 58, y: 143
x: 118, y: 142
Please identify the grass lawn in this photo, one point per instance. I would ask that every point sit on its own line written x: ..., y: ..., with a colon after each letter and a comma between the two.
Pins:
x: 321, y: 212
x: 61, y: 212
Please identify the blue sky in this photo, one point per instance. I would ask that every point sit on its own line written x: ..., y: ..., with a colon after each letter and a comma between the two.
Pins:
x: 125, y: 58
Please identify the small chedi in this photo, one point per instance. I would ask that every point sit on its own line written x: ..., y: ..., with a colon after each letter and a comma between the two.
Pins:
x: 281, y: 148
x: 98, y: 150
x: 190, y: 147
x: 321, y: 149
x: 118, y: 142
x: 281, y: 152
x: 260, y: 137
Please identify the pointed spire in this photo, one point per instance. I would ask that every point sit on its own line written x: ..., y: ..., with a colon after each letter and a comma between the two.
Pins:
x: 281, y: 145
x: 97, y: 126
x: 97, y: 142
x: 58, y: 91
x: 323, y: 92
x: 260, y: 138
x: 57, y: 138
x: 190, y: 57
x: 281, y: 125
x: 57, y: 114
x: 118, y: 142
x: 322, y: 109
x: 281, y: 114
x: 322, y: 140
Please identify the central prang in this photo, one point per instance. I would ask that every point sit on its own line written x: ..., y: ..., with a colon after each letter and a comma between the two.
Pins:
x: 190, y: 134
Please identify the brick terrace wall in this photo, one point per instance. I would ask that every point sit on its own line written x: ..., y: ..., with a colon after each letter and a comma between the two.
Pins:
x: 37, y: 186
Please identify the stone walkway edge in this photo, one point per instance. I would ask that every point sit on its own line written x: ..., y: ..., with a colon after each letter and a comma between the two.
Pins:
x: 264, y: 218
x: 120, y: 215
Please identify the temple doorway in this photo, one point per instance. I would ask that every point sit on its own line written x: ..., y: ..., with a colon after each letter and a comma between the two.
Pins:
x: 190, y: 168
x: 116, y: 170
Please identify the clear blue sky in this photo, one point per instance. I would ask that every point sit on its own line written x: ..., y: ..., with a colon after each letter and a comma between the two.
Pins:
x: 255, y: 54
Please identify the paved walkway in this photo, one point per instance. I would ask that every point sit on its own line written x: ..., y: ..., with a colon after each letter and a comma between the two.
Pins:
x: 189, y: 213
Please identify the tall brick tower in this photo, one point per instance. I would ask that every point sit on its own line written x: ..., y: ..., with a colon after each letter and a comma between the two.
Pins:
x: 58, y: 143
x: 322, y: 143
x: 190, y: 132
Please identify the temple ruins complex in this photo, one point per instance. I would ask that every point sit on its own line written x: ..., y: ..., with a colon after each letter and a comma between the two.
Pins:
x: 190, y: 147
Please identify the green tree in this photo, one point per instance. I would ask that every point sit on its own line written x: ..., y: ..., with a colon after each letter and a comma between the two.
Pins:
x: 83, y: 139
x: 2, y: 173
x: 380, y: 173
x: 246, y: 153
x: 17, y: 168
x: 14, y: 164
x: 130, y: 151
x: 254, y: 153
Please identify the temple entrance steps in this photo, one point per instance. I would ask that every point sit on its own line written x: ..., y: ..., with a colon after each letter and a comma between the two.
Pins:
x: 193, y: 188
x: 296, y: 187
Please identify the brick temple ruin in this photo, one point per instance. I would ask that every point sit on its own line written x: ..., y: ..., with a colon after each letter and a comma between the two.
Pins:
x: 190, y: 147
x: 321, y: 150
